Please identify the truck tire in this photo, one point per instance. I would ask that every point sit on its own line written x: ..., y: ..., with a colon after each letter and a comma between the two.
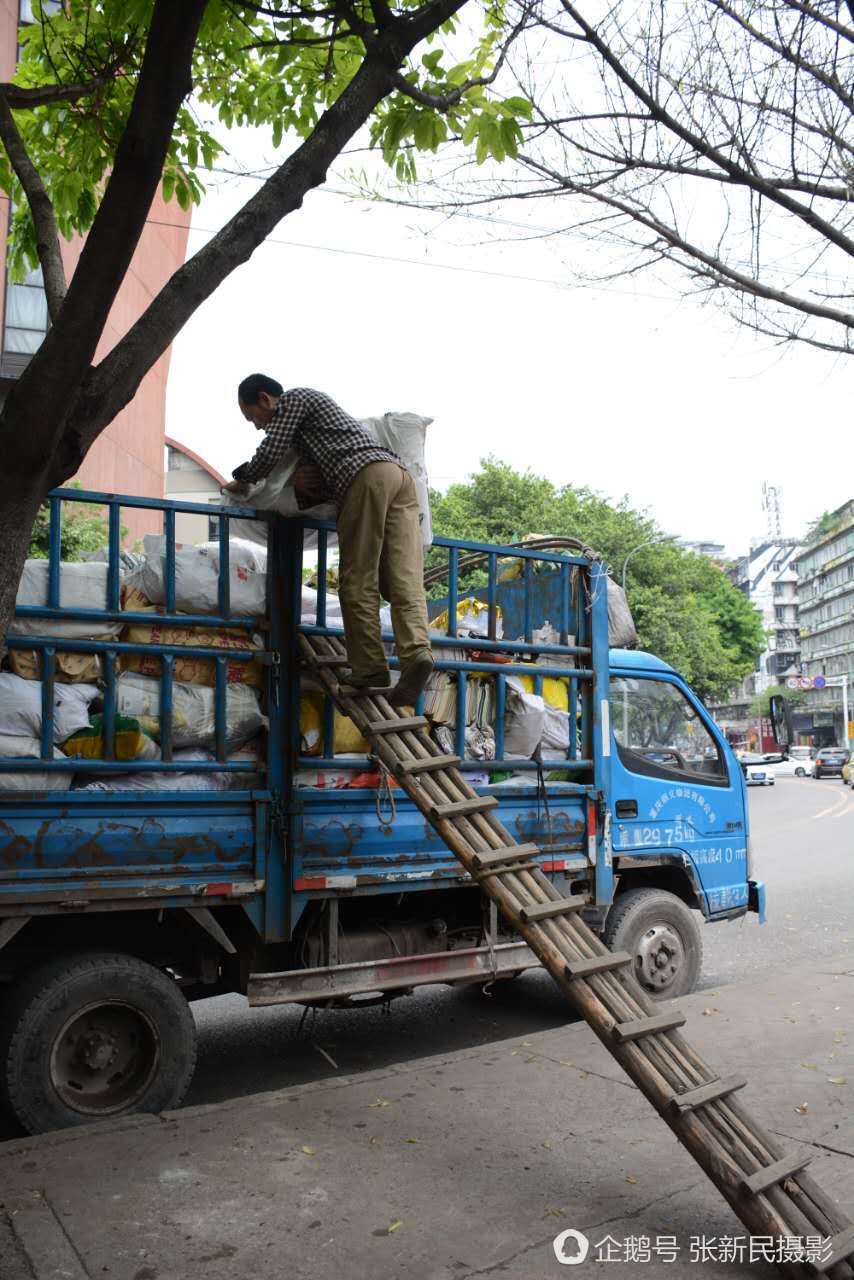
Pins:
x: 662, y: 934
x: 94, y: 1035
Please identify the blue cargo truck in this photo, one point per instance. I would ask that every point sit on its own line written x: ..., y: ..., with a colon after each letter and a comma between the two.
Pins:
x: 120, y: 907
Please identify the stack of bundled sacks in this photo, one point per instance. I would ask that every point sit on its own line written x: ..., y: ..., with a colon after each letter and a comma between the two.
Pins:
x: 534, y: 724
x: 78, y: 701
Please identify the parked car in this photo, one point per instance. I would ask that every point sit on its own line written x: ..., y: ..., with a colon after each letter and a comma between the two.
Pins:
x: 758, y: 772
x: 829, y: 762
x: 793, y: 768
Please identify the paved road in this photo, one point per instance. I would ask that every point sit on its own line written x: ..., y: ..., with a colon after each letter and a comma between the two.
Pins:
x: 803, y: 845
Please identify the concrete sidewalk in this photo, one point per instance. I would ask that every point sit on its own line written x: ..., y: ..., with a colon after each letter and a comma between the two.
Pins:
x: 445, y: 1169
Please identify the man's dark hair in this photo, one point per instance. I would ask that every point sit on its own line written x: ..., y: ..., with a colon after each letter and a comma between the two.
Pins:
x: 251, y: 387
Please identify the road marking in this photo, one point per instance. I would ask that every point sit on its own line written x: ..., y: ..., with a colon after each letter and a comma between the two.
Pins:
x: 835, y: 810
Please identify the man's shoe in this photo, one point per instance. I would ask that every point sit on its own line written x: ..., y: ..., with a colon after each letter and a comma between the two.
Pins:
x: 413, y: 679
x: 352, y: 686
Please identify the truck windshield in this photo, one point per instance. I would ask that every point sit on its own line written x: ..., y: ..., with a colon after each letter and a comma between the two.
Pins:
x: 659, y: 734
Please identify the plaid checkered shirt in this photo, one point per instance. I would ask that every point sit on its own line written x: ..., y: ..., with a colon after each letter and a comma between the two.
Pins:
x: 316, y: 428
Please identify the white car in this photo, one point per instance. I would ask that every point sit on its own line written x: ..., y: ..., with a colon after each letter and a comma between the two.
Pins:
x: 757, y: 771
x: 793, y: 769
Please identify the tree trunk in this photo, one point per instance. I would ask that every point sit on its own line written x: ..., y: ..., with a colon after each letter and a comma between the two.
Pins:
x: 19, y: 504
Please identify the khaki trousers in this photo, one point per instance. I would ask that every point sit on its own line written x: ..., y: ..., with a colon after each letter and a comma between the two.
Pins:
x: 379, y: 540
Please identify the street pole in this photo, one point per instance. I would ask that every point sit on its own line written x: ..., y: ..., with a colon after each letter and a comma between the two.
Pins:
x: 665, y: 537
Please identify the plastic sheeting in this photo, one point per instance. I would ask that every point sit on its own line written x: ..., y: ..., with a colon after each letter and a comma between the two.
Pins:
x: 81, y: 586
x: 197, y: 576
x: 21, y: 707
x: 193, y: 722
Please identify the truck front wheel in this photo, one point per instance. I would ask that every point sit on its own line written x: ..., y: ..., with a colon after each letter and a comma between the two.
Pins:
x: 94, y: 1035
x: 663, y: 935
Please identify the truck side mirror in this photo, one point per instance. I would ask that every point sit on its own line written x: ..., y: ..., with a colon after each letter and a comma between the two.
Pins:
x: 781, y: 720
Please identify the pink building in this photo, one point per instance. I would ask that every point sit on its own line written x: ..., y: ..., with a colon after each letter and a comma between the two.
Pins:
x: 128, y: 456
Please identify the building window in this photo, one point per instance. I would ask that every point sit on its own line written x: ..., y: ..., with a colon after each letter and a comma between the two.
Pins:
x: 779, y: 612
x: 26, y: 14
x: 26, y: 319
x: 778, y: 588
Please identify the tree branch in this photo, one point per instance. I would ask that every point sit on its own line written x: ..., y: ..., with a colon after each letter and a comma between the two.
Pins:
x: 112, y: 384
x: 41, y: 208
x: 782, y: 51
x: 20, y: 98
x: 164, y: 81
x: 699, y: 144
x: 722, y: 273
x: 444, y: 101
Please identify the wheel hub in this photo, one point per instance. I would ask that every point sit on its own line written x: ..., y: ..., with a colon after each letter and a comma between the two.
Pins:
x: 660, y: 957
x: 104, y: 1058
x: 97, y: 1050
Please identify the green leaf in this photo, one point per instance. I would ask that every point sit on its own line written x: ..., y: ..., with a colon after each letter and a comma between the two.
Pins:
x: 519, y: 107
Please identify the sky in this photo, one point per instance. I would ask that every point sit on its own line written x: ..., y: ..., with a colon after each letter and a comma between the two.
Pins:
x: 626, y: 389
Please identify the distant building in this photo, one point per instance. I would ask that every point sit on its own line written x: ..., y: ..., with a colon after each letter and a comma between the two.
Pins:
x: 768, y: 578
x: 714, y: 550
x: 826, y: 614
x: 128, y: 456
x: 190, y: 479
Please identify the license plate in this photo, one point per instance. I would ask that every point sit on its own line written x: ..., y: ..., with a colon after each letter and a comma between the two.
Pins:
x: 760, y: 777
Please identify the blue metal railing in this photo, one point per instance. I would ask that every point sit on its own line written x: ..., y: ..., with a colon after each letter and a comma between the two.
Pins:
x: 110, y: 650
x: 568, y: 662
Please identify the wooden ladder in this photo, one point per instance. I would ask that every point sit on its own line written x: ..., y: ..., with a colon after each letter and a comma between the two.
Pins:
x: 768, y: 1188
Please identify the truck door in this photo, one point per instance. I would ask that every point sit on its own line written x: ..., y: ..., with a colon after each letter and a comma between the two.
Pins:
x: 673, y: 792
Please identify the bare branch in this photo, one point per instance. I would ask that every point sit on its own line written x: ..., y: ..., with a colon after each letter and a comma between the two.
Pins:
x: 700, y: 144
x: 41, y: 208
x: 716, y: 268
x: 817, y: 15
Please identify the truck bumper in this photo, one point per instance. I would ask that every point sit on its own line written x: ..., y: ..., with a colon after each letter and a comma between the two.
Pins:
x: 756, y: 898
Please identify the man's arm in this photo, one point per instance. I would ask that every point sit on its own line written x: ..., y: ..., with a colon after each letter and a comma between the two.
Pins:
x: 278, y: 440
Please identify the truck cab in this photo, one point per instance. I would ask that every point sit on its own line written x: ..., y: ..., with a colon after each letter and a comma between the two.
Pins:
x: 679, y: 823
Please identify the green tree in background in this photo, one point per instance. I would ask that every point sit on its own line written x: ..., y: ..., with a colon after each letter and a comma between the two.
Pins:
x: 84, y: 528
x: 686, y: 610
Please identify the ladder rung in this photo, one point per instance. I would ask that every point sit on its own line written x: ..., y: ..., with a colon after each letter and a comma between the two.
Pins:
x: 396, y: 726
x: 597, y: 964
x: 478, y: 804
x: 427, y: 765
x: 507, y: 853
x: 625, y: 1031
x: 506, y: 868
x: 546, y: 910
x: 328, y: 660
x: 841, y: 1247
x: 682, y: 1103
x: 781, y: 1169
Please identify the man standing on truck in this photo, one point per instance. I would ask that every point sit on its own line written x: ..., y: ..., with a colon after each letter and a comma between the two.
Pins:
x: 379, y: 534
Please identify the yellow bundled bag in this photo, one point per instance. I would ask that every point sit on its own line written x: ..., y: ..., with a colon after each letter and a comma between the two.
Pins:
x: 472, y: 615
x: 193, y: 670
x: 347, y: 739
x: 71, y: 668
x: 555, y: 692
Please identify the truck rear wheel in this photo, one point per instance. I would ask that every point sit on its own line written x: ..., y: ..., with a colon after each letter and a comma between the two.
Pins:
x: 94, y: 1035
x: 662, y: 934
